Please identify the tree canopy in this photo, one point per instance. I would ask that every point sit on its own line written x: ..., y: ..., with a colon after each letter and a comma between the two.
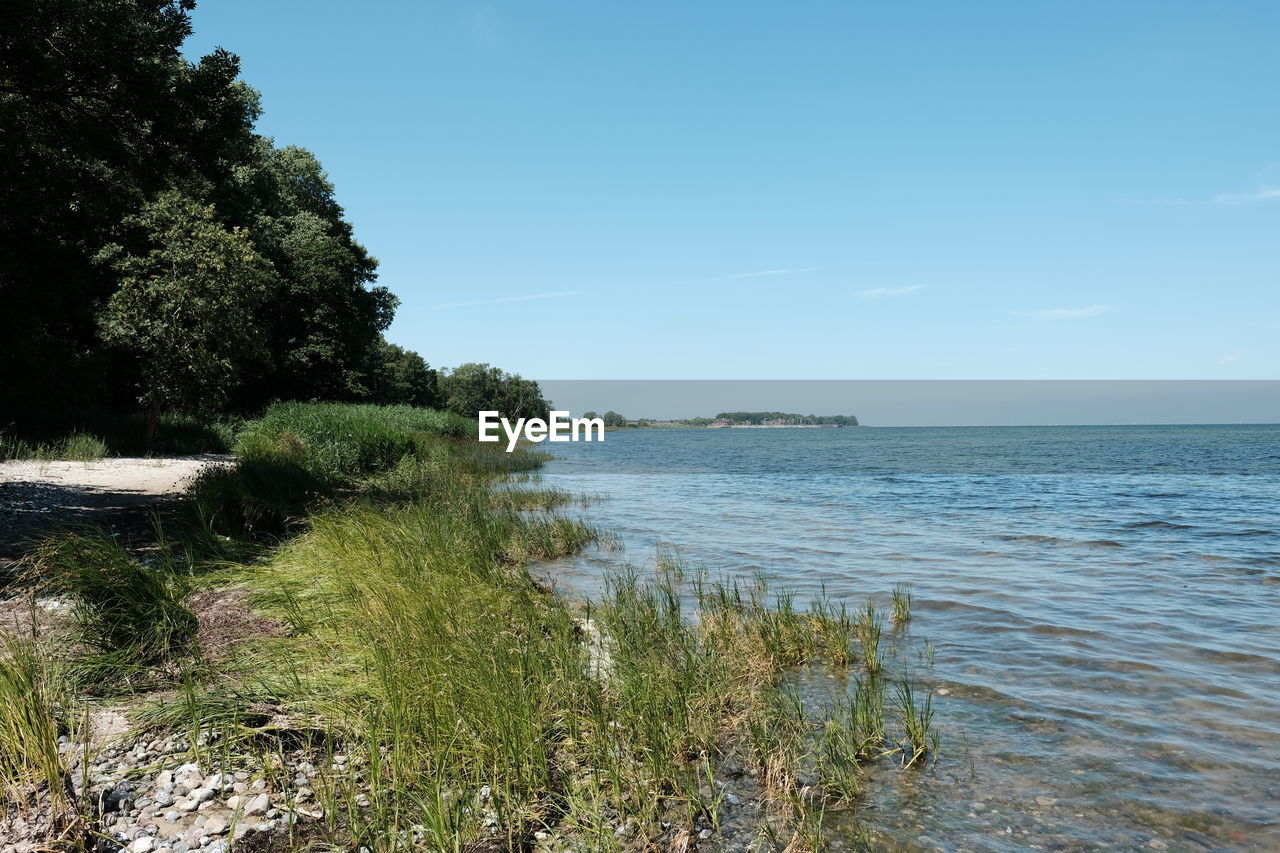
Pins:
x: 156, y: 250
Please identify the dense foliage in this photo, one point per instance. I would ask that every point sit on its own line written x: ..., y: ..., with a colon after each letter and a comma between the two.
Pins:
x: 157, y: 252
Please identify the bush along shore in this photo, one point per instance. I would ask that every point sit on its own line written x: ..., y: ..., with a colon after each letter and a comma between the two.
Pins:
x: 342, y: 647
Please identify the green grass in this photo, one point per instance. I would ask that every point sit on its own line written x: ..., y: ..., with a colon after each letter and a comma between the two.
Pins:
x: 340, y: 442
x: 31, y: 693
x: 916, y: 719
x: 901, y: 605
x: 472, y: 707
x: 128, y: 617
x: 299, y: 456
x: 78, y: 446
x: 103, y: 434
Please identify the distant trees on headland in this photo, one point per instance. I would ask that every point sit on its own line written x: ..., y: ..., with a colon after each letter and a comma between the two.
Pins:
x: 727, y: 419
x: 785, y: 419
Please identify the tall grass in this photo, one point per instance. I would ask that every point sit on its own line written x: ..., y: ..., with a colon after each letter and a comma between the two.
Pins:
x: 128, y: 617
x: 77, y: 446
x: 485, y: 711
x: 341, y: 442
x: 474, y: 709
x: 31, y: 694
x: 299, y: 455
x: 901, y: 605
x: 101, y: 434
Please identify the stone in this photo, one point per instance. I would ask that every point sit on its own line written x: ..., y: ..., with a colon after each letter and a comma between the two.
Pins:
x: 143, y: 844
x: 215, y: 825
x: 1157, y: 844
x: 234, y: 802
x: 189, y: 772
x: 1045, y: 802
x: 258, y: 805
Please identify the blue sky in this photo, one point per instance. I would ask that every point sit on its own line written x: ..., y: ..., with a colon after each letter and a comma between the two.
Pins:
x: 779, y: 190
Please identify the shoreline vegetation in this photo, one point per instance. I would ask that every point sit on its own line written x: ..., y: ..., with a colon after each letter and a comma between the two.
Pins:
x: 341, y: 643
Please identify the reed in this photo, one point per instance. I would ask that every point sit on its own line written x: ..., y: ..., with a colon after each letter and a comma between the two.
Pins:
x: 901, y: 605
x: 916, y: 719
x: 33, y: 699
x: 868, y: 628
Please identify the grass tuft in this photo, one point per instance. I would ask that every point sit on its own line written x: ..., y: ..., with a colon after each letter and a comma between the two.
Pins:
x: 128, y: 616
x: 901, y: 605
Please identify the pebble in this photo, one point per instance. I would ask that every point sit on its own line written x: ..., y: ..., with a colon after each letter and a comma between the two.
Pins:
x: 1045, y: 802
x: 143, y: 844
x: 260, y: 804
x: 1157, y: 844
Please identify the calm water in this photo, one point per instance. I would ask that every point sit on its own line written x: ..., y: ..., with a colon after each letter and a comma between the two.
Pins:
x: 1103, y: 603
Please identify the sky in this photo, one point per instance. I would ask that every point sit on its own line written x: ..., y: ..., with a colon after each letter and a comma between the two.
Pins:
x: 827, y: 190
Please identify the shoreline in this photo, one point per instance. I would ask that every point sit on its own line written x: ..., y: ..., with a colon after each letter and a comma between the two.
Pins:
x: 268, y: 718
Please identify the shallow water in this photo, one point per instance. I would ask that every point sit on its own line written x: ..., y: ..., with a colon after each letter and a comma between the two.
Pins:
x: 1103, y: 604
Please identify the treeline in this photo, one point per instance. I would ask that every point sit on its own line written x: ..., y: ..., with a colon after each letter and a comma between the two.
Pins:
x: 157, y: 252
x: 789, y: 418
x: 613, y: 419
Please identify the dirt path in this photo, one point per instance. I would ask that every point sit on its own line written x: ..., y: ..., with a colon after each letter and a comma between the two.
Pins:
x: 39, y: 496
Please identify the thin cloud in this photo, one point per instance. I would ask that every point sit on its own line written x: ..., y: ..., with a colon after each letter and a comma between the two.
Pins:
x: 762, y: 273
x: 884, y: 292
x: 1065, y: 313
x: 1229, y: 358
x: 529, y: 298
x: 1259, y: 195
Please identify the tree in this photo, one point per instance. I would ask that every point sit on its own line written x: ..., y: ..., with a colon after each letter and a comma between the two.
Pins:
x: 324, y: 334
x: 613, y: 419
x: 405, y: 377
x: 90, y: 128
x: 187, y: 305
x: 473, y: 388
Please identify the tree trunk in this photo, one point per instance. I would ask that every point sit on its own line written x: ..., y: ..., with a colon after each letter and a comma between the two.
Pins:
x: 153, y: 417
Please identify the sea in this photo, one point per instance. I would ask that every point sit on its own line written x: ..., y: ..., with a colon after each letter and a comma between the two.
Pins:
x: 1096, y: 610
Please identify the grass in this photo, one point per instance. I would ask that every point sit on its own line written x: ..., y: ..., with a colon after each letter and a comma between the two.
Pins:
x: 901, y: 605
x: 78, y: 446
x: 31, y: 695
x: 917, y: 722
x: 128, y: 617
x: 104, y: 434
x: 471, y: 707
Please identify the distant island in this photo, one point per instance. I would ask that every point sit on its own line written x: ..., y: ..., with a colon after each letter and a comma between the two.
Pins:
x: 729, y: 420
